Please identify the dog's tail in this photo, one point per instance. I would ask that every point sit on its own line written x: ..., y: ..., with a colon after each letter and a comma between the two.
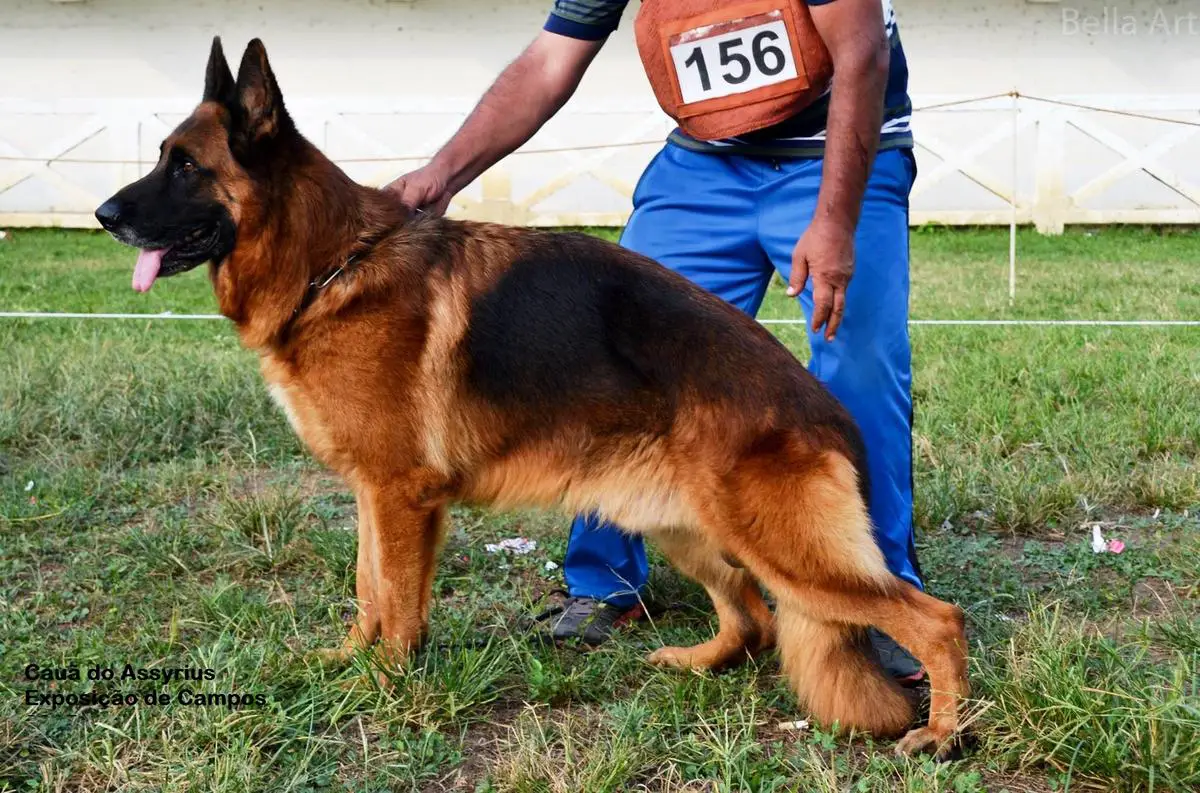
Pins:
x: 831, y: 670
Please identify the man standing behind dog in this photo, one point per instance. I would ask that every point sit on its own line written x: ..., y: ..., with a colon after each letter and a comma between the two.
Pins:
x: 818, y: 197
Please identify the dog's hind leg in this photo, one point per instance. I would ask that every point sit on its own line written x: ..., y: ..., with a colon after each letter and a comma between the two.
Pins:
x: 935, y: 633
x: 802, y: 528
x: 821, y: 624
x: 745, y: 625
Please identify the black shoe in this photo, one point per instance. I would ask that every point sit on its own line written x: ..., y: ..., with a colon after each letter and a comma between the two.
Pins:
x: 589, y: 620
x: 895, y: 660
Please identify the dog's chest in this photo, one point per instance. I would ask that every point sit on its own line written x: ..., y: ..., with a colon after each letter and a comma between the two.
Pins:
x: 302, y: 412
x: 284, y: 399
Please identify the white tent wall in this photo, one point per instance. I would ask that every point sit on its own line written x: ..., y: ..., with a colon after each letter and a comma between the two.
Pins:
x: 84, y: 83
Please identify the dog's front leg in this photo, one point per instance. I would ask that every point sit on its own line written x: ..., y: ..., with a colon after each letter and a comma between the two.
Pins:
x: 406, y: 528
x: 366, y: 626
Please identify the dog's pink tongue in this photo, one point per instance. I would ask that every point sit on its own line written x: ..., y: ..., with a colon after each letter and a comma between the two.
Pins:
x: 146, y: 270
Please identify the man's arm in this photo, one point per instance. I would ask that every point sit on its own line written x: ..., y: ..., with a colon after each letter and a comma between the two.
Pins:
x: 853, y: 31
x: 524, y: 97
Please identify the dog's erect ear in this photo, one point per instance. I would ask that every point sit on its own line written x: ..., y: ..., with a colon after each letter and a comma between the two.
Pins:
x: 258, y: 95
x: 219, y: 85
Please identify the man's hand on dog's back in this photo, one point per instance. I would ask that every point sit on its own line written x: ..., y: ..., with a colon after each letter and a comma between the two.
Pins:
x: 524, y: 97
x: 424, y: 189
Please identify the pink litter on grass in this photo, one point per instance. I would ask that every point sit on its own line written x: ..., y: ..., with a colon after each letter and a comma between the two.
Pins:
x: 1102, y: 545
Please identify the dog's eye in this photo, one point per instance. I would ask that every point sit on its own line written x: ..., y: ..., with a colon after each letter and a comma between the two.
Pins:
x: 187, y: 166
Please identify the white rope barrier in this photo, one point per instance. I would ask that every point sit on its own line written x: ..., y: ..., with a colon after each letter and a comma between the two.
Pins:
x: 1140, y: 323
x: 82, y: 315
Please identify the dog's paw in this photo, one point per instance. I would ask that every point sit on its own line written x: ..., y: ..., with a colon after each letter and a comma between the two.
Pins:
x: 671, y: 657
x: 385, y: 681
x: 331, y: 656
x: 678, y: 658
x: 711, y: 656
x: 943, y: 745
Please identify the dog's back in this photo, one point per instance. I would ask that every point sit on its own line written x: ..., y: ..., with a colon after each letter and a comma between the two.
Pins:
x: 574, y: 318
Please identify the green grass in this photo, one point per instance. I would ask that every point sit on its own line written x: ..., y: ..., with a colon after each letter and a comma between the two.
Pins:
x: 174, y: 521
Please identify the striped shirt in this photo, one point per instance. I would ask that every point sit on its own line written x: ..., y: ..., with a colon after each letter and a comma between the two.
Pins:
x: 802, y: 135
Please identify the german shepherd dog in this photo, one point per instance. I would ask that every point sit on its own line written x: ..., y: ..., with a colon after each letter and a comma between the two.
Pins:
x: 431, y: 361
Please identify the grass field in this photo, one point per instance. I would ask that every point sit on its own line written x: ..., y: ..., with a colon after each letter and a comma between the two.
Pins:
x: 156, y: 511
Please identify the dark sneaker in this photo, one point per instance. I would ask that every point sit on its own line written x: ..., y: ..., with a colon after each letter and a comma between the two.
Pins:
x: 591, y: 621
x: 895, y: 660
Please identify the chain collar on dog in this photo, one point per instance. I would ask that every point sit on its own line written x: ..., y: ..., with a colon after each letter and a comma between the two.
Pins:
x: 325, y: 279
x: 320, y: 282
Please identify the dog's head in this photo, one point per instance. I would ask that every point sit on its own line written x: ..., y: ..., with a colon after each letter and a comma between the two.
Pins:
x: 188, y: 209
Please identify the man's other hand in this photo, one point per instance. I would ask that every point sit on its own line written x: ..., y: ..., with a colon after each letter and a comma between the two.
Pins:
x: 826, y: 253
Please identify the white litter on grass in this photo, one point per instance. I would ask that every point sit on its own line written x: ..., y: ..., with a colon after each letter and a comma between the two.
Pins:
x: 515, y: 545
x: 29, y: 486
x: 551, y: 566
x: 793, y: 726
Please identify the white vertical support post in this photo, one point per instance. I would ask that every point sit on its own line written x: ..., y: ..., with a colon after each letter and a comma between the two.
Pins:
x: 498, y: 205
x: 1012, y: 225
x: 1050, y: 200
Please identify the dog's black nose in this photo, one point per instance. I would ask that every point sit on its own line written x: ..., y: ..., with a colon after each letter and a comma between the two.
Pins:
x: 109, y: 214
